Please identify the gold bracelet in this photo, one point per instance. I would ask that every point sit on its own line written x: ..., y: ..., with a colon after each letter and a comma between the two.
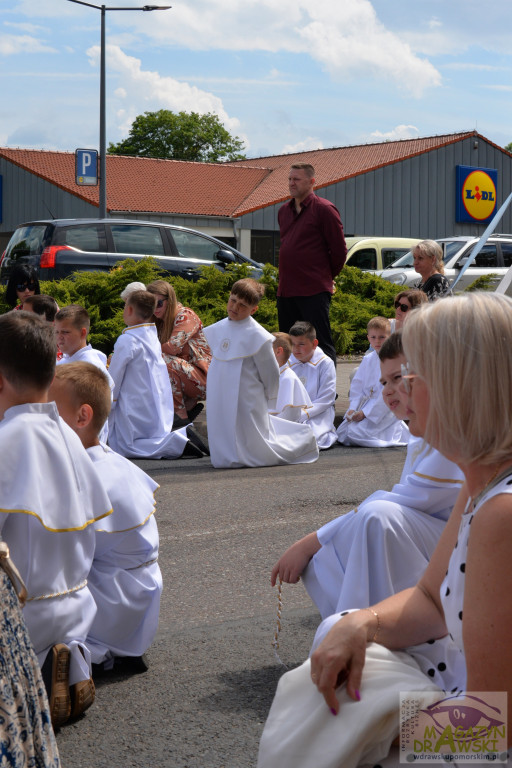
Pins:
x: 374, y: 638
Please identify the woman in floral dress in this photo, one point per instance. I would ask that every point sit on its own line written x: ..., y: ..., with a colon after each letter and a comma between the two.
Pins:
x: 184, y: 348
x: 26, y: 735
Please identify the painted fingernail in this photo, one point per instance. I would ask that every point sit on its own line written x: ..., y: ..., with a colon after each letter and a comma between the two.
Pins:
x: 358, y: 695
x: 333, y: 711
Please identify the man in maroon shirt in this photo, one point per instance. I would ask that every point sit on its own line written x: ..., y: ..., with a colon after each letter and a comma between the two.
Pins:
x: 312, y: 253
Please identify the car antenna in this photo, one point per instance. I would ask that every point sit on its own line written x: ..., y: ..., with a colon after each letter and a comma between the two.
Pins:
x: 51, y: 214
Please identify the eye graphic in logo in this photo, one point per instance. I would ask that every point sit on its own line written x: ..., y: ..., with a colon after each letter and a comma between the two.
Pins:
x: 479, y: 195
x: 470, y: 722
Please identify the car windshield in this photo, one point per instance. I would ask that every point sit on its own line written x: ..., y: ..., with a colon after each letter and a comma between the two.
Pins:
x: 450, y: 248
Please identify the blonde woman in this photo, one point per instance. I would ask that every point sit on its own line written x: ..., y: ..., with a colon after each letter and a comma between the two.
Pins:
x: 184, y: 348
x: 341, y: 708
x: 428, y: 262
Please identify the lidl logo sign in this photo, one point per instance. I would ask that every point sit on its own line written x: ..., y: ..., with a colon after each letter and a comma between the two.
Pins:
x: 476, y: 193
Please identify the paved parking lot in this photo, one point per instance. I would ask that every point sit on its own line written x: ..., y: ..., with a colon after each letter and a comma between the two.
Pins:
x: 212, y: 671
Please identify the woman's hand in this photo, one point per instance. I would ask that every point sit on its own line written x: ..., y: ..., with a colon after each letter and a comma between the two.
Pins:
x: 340, y: 657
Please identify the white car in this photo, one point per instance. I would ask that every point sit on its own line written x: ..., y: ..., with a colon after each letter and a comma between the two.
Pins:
x: 494, y: 259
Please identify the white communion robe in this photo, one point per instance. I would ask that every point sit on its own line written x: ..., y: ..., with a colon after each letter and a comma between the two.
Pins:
x: 384, y: 545
x: 243, y: 376
x: 96, y: 357
x: 292, y: 399
x: 125, y: 578
x: 318, y: 376
x: 140, y: 422
x: 50, y: 498
x: 380, y: 427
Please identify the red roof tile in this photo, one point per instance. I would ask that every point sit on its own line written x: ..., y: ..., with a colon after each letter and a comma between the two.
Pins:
x: 210, y: 189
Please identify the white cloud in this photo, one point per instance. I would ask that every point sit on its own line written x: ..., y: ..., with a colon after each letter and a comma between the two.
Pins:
x: 434, y: 22
x: 303, y: 146
x: 14, y: 44
x: 397, y: 133
x: 346, y: 38
x: 145, y: 91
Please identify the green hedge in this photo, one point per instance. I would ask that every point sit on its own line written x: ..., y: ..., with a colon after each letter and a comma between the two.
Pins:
x: 358, y: 297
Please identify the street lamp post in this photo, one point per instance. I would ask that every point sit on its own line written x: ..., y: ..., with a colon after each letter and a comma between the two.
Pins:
x: 103, y: 133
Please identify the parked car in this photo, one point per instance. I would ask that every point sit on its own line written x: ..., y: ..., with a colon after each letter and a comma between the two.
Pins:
x: 59, y: 247
x: 494, y: 259
x: 371, y: 253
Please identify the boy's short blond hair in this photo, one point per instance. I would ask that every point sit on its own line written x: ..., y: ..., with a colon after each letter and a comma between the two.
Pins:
x: 379, y: 324
x: 87, y: 385
x: 77, y: 315
x: 283, y: 340
x: 143, y: 302
x: 248, y: 290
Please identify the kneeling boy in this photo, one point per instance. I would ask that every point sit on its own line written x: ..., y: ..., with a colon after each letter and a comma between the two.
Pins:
x: 50, y: 498
x: 125, y: 578
x: 317, y: 372
x: 243, y: 376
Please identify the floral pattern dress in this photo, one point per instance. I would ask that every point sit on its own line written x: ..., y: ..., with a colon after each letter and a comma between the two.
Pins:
x: 187, y: 356
x: 26, y: 734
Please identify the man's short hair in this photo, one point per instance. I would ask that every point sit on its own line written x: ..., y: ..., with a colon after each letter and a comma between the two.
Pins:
x: 303, y: 328
x: 89, y: 385
x: 28, y: 350
x: 283, y: 340
x: 392, y: 347
x: 77, y: 315
x: 43, y: 305
x: 379, y: 324
x: 306, y: 167
x: 248, y: 290
x: 143, y: 302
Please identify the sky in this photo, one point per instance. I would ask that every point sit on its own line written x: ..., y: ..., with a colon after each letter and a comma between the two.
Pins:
x: 282, y: 75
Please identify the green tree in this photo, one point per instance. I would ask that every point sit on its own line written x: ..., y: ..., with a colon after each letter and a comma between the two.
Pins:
x: 508, y: 147
x: 180, y: 136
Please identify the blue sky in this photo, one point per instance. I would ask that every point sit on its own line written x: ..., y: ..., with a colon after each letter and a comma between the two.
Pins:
x: 283, y: 75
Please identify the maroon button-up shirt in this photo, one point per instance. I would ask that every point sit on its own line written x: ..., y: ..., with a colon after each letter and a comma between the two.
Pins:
x: 313, y: 249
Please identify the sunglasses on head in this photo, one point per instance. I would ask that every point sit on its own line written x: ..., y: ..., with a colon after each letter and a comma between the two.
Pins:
x: 23, y: 286
x: 160, y: 303
x: 403, y: 307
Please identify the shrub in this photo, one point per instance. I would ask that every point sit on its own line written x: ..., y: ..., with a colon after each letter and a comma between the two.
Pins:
x: 358, y: 297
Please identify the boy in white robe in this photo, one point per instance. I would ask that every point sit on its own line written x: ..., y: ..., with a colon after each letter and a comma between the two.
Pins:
x: 140, y: 422
x: 243, y: 376
x: 292, y: 399
x: 384, y: 545
x: 72, y: 325
x: 50, y: 499
x: 317, y: 373
x: 368, y: 422
x: 125, y: 578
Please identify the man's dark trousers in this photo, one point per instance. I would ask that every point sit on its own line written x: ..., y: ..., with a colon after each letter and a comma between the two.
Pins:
x: 315, y: 309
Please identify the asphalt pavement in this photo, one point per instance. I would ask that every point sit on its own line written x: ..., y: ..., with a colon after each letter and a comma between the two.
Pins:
x: 212, y: 671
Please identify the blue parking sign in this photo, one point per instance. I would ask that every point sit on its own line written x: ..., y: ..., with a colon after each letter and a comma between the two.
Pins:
x: 86, y: 167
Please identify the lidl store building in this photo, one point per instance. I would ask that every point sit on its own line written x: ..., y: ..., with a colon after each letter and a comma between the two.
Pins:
x: 432, y: 187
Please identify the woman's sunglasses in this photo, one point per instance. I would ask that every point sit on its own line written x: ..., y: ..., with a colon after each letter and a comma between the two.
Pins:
x: 160, y: 303
x: 23, y: 286
x: 403, y: 307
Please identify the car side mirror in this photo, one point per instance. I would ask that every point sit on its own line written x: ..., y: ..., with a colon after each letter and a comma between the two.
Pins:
x: 226, y: 257
x: 461, y: 262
